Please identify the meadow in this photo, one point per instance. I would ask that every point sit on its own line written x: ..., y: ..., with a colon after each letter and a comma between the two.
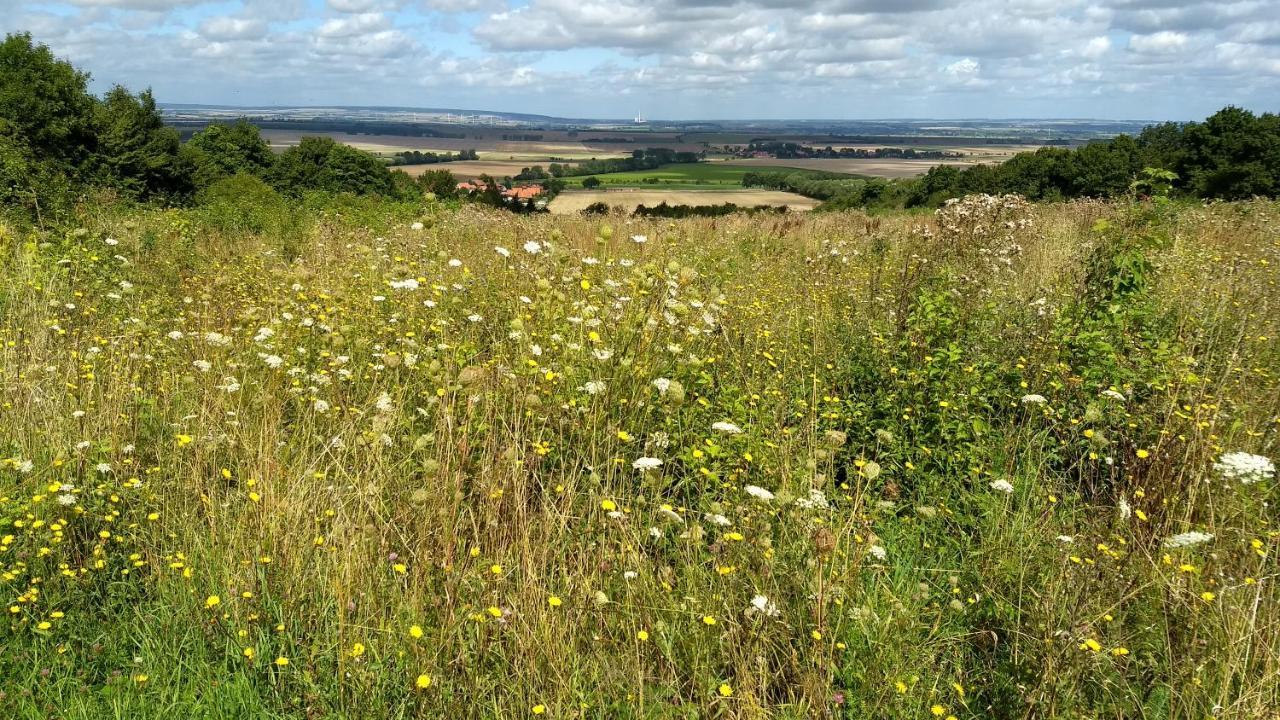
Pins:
x: 356, y: 458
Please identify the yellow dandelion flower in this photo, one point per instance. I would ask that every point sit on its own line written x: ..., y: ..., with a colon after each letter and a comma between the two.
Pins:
x: 423, y: 682
x: 725, y: 690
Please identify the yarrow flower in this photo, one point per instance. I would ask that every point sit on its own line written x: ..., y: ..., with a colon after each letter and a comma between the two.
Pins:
x: 533, y: 247
x: 1245, y: 467
x: 758, y: 492
x: 726, y: 427
x: 1033, y: 399
x: 1186, y: 539
x: 406, y: 284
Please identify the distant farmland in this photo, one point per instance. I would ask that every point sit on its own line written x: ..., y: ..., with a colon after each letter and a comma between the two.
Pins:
x: 573, y: 201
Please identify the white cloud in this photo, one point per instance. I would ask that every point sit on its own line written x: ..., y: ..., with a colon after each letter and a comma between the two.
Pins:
x: 1147, y: 58
x: 1160, y: 43
x: 230, y: 28
x: 1096, y: 47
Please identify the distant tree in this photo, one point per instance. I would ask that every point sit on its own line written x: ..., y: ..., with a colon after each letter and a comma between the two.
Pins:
x: 590, y: 182
x: 137, y: 152
x: 225, y: 149
x: 320, y: 163
x: 440, y: 183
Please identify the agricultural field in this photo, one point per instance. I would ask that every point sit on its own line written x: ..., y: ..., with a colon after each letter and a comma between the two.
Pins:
x: 356, y: 457
x: 885, y: 168
x: 573, y: 201
x: 486, y: 142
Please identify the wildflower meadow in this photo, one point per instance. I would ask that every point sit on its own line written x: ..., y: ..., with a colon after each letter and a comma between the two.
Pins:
x: 363, y: 458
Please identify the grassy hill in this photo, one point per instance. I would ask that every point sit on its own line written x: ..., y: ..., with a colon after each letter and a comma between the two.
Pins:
x: 357, y: 458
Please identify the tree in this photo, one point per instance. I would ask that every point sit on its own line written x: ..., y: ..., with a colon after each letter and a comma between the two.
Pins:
x: 136, y: 151
x: 225, y: 149
x: 320, y: 163
x: 440, y: 183
x: 590, y: 182
x: 45, y: 102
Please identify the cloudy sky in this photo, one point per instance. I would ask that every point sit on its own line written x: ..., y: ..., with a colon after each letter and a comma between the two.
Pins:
x: 678, y: 59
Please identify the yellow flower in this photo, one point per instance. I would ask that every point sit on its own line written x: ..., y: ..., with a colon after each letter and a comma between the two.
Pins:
x: 249, y: 653
x: 708, y: 620
x: 1207, y: 596
x: 423, y: 682
x: 183, y: 440
x: 938, y: 710
x: 642, y: 636
x: 608, y: 505
x: 357, y: 650
x: 211, y: 601
x: 282, y: 661
x: 1143, y: 454
x: 1119, y: 651
x: 495, y: 569
x: 539, y: 709
x: 496, y: 612
x: 726, y: 690
x: 415, y: 631
x: 554, y: 601
x: 1090, y: 644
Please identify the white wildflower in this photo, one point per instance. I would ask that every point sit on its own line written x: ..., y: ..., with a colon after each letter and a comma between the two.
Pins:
x: 1003, y: 486
x: 406, y: 284
x: 1186, y: 539
x: 1033, y: 399
x: 646, y: 464
x: 762, y: 605
x: 758, y: 492
x: 1245, y: 467
x: 726, y: 427
x: 533, y: 247
x: 878, y: 552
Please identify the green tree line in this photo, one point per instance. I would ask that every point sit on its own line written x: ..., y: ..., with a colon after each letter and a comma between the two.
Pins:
x: 1232, y: 155
x: 58, y: 142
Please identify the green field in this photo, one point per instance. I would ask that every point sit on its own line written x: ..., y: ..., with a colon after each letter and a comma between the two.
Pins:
x: 683, y: 176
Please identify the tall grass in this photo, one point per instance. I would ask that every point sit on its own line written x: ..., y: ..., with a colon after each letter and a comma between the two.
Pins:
x: 381, y: 461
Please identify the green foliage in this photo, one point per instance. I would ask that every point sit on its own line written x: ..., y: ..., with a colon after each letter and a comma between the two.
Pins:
x: 440, y: 183
x: 225, y: 149
x: 137, y: 153
x: 320, y: 163
x: 46, y: 102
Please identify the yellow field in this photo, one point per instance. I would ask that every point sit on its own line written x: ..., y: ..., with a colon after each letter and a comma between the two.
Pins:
x: 575, y: 200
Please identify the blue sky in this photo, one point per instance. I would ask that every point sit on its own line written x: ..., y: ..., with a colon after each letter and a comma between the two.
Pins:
x: 683, y: 59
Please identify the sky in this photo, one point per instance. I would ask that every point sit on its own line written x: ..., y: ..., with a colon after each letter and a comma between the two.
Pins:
x: 683, y: 59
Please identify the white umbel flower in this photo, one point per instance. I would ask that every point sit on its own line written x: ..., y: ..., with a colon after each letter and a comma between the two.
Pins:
x: 646, y: 464
x: 1003, y: 486
x: 761, y: 605
x: 1033, y: 399
x: 1186, y: 539
x: 726, y: 427
x: 1245, y: 467
x: 758, y: 492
